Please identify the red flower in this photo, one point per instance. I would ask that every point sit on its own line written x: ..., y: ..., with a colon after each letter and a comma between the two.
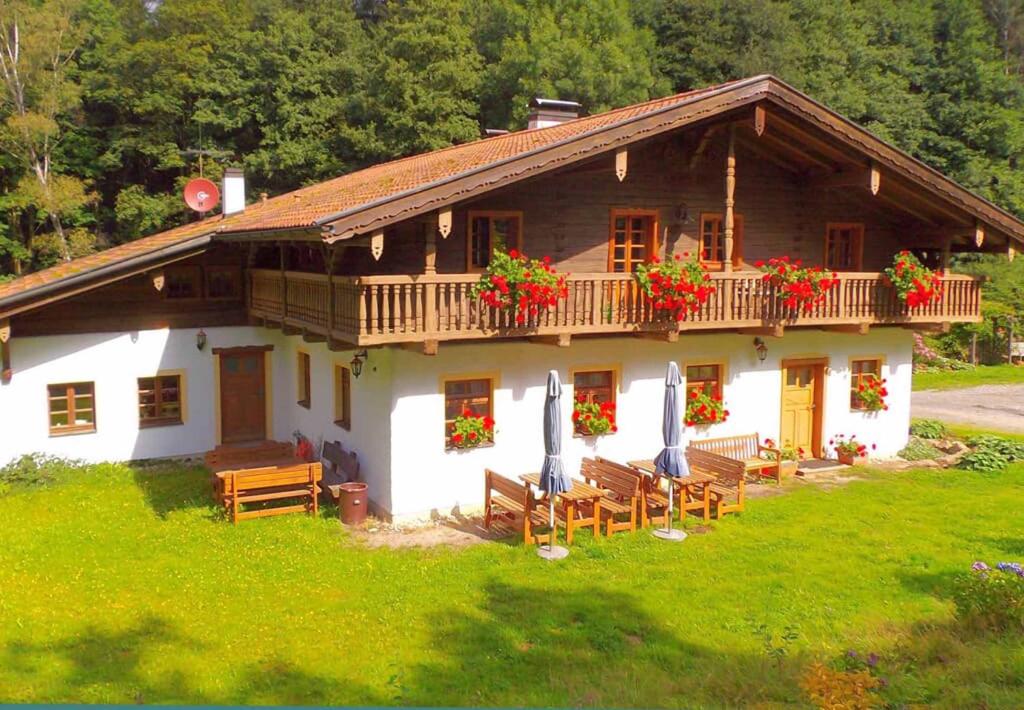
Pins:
x: 457, y: 438
x: 472, y: 436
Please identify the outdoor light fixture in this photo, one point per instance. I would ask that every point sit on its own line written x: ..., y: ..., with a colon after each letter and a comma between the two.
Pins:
x: 761, y: 349
x: 357, y: 362
x: 200, y: 340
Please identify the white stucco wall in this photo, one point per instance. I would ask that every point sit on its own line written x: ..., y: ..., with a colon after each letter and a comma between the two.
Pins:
x: 425, y: 477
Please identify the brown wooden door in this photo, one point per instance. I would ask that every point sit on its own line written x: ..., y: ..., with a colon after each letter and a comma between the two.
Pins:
x: 802, y: 383
x: 243, y: 415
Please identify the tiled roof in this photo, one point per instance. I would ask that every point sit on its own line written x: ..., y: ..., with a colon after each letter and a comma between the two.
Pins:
x: 304, y: 207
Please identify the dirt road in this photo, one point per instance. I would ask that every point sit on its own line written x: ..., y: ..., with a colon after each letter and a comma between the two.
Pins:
x: 999, y: 407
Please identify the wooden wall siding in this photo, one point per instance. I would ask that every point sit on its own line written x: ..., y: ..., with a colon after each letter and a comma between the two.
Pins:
x: 371, y: 310
x: 134, y: 304
x: 566, y: 215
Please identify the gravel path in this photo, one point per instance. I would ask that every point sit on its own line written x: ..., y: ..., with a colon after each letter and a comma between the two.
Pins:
x: 999, y: 407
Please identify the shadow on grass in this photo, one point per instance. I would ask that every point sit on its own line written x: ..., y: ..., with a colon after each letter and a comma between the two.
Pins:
x: 535, y: 646
x: 173, y: 488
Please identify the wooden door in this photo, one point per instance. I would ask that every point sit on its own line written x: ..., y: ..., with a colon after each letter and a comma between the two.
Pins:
x: 243, y: 415
x: 802, y: 385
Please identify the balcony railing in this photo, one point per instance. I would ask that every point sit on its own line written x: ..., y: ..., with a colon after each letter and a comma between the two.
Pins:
x: 370, y: 310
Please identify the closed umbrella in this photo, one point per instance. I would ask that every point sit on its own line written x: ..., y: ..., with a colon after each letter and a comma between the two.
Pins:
x: 671, y: 461
x: 553, y: 479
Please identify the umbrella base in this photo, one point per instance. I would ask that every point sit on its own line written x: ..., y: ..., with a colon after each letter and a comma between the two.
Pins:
x: 548, y: 552
x: 670, y: 534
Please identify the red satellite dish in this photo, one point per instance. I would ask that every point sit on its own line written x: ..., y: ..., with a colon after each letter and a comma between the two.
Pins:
x: 201, y: 195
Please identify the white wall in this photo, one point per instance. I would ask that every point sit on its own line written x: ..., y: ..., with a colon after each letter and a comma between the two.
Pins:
x: 114, y: 362
x: 425, y: 477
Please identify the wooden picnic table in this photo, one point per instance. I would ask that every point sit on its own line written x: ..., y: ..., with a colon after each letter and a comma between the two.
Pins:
x: 280, y: 463
x: 695, y: 488
x: 576, y: 501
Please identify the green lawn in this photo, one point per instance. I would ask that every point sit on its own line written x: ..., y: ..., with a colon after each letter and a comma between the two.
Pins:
x: 981, y: 375
x: 126, y: 586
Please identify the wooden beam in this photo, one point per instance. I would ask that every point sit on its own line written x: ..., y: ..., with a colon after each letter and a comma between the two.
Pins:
x: 792, y: 132
x: 290, y: 329
x: 772, y: 331
x: 947, y: 247
x: 426, y: 347
x: 730, y: 198
x: 906, y: 208
x: 937, y: 328
x: 668, y: 336
x: 562, y: 340
x: 771, y: 156
x: 313, y: 337
x: 702, y: 145
x: 337, y: 346
x: 856, y: 328
x: 621, y: 163
x: 869, y: 178
x: 760, y: 119
x: 429, y: 250
x: 444, y: 222
x: 790, y: 147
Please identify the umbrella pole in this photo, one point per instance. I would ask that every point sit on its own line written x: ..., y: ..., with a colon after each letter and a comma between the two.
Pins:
x: 552, y: 530
x: 552, y: 551
x: 670, y: 533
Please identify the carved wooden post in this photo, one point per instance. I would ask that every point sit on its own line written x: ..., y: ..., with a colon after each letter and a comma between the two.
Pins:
x: 730, y: 201
x: 430, y: 269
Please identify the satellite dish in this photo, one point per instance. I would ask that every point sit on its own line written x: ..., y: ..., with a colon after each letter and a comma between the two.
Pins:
x: 201, y: 195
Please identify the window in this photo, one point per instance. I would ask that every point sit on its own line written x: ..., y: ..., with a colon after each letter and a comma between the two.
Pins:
x: 488, y: 230
x: 223, y: 283
x: 72, y: 408
x: 632, y: 240
x: 861, y: 370
x: 705, y: 378
x: 594, y: 386
x: 182, y: 282
x: 342, y: 397
x: 160, y: 400
x: 304, y: 389
x: 843, y: 245
x: 460, y: 395
x: 712, y: 240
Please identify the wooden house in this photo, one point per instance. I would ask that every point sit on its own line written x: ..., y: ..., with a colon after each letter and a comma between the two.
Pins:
x: 344, y: 310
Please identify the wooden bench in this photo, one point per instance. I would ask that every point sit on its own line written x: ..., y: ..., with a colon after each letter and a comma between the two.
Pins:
x: 623, y: 486
x: 728, y: 491
x: 342, y: 467
x: 229, y: 457
x: 748, y: 449
x: 510, y: 508
x: 272, y: 483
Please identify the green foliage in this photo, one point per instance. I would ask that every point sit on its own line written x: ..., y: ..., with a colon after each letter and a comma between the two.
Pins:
x: 918, y: 450
x: 991, y: 598
x: 36, y: 470
x: 991, y: 453
x: 928, y: 428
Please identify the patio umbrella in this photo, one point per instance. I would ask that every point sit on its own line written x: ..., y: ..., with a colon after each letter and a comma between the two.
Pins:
x: 553, y: 479
x: 671, y: 460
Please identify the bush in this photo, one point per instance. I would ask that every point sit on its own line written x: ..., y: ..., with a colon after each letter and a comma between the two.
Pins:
x: 919, y: 450
x: 991, y: 453
x: 992, y: 598
x: 928, y: 429
x: 34, y: 470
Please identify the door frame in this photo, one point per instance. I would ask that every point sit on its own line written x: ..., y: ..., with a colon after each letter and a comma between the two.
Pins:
x: 820, y: 365
x: 268, y: 392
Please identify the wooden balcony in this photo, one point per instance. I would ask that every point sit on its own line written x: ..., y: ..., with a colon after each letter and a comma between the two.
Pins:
x: 375, y: 310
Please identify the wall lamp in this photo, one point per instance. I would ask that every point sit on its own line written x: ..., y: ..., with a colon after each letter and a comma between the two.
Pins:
x: 357, y: 362
x: 761, y: 349
x: 200, y: 340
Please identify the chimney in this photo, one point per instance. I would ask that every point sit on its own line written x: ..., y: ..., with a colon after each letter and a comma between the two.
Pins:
x: 551, y: 112
x: 233, y: 191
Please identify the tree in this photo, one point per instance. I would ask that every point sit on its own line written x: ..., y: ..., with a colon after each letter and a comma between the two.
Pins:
x: 38, y: 42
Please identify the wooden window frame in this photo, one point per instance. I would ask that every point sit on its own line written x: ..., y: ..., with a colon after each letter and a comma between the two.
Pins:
x: 722, y: 375
x: 196, y: 276
x: 492, y: 215
x: 162, y: 421
x: 616, y: 376
x: 855, y: 378
x: 236, y: 276
x: 737, y: 240
x: 490, y: 377
x: 71, y: 410
x: 304, y: 379
x: 858, y: 247
x: 343, y: 396
x: 627, y: 212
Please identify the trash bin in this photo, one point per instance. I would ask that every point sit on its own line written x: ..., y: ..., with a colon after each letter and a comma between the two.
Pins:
x: 352, y: 503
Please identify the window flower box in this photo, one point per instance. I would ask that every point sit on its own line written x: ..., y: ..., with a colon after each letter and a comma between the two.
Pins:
x: 520, y: 286
x: 591, y: 418
x: 677, y: 287
x: 799, y: 288
x: 871, y: 394
x: 470, y: 431
x: 916, y: 285
x: 703, y: 408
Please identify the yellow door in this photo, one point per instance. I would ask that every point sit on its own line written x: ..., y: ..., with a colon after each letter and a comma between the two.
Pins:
x: 798, y: 407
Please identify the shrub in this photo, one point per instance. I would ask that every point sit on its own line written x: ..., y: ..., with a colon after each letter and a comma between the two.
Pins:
x: 928, y: 429
x: 35, y: 470
x: 991, y: 453
x: 919, y: 450
x: 991, y: 598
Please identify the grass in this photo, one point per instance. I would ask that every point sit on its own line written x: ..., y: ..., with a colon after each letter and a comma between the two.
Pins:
x: 963, y: 431
x: 980, y: 375
x: 123, y: 585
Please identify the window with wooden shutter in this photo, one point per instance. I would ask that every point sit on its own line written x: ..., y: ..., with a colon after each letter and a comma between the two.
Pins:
x: 712, y: 241
x: 844, y: 243
x: 342, y: 397
x: 160, y: 400
x: 488, y: 230
x: 72, y: 408
x: 632, y: 239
